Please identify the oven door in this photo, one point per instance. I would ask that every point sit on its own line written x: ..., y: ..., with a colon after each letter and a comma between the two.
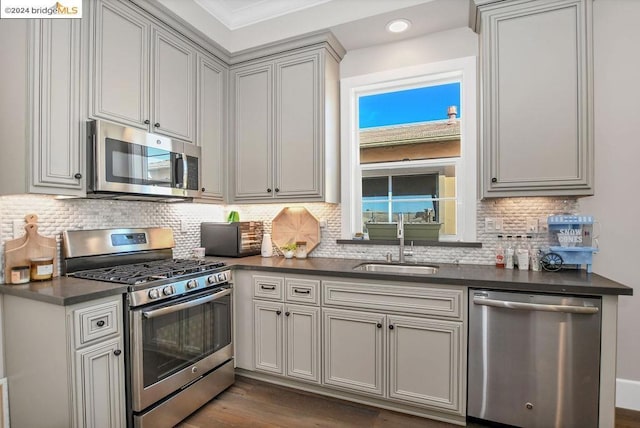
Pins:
x: 175, y: 343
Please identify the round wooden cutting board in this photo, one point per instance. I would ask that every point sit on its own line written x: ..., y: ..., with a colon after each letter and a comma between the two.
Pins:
x: 294, y: 224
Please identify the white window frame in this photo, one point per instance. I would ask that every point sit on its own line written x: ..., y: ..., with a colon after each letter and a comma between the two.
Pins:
x: 461, y: 69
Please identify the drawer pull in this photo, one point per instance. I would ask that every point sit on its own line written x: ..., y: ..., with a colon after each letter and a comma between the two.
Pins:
x: 117, y: 352
x: 267, y: 287
x: 295, y: 290
x: 100, y: 323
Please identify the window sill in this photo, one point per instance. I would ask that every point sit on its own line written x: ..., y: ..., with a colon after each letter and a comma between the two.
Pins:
x: 416, y: 243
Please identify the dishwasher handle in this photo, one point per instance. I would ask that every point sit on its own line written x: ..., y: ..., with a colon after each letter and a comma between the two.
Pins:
x: 535, y: 306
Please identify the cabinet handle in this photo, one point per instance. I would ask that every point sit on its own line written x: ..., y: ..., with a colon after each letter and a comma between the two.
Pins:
x: 100, y: 323
x: 203, y: 189
x: 287, y: 313
x: 295, y: 290
x: 147, y: 121
x: 267, y: 287
x: 117, y: 352
x: 157, y: 124
x: 494, y: 180
x: 379, y: 325
x: 277, y: 190
x: 390, y: 326
x: 269, y: 190
x: 278, y: 312
x: 77, y: 176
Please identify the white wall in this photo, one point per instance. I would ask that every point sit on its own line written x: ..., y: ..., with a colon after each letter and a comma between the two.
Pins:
x: 458, y: 43
x: 617, y: 175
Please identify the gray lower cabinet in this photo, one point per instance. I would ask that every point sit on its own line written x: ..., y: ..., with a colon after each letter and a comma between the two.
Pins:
x: 40, y: 109
x: 143, y: 73
x: 537, y: 97
x: 287, y: 336
x: 70, y: 373
x: 284, y: 135
x: 409, y: 359
x: 399, y: 345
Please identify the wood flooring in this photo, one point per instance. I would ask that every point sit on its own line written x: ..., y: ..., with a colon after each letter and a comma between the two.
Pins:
x: 262, y: 405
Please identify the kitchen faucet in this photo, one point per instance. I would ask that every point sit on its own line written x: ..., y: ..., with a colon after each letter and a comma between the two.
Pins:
x: 400, y: 235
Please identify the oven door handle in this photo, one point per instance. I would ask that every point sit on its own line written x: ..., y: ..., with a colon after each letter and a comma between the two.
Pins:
x: 186, y: 305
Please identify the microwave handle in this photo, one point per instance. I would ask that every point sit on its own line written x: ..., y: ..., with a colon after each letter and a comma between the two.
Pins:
x: 181, y: 170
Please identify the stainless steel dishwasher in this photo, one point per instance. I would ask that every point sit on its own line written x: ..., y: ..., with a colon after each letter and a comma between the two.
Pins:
x: 534, y: 359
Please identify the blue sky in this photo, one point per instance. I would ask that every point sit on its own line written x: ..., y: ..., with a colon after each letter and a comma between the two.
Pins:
x: 409, y: 106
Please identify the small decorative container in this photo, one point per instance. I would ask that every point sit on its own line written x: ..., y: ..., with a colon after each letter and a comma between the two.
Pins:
x: 20, y: 274
x: 301, y: 250
x: 41, y: 268
x: 288, y: 254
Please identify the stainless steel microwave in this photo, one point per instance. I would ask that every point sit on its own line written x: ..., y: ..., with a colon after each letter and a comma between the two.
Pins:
x: 130, y: 163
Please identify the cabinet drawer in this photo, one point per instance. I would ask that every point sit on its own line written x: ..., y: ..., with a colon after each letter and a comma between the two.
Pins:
x: 439, y: 302
x: 96, y: 322
x: 302, y: 291
x: 268, y: 287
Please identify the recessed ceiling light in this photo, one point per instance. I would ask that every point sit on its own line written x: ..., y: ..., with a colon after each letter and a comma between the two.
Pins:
x: 398, y: 25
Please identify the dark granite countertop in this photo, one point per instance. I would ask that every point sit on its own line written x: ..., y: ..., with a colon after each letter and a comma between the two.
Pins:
x: 64, y: 291
x: 68, y: 291
x: 481, y: 276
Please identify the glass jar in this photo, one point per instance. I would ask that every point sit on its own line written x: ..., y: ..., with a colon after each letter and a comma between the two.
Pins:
x: 20, y: 274
x: 41, y: 268
x: 301, y: 250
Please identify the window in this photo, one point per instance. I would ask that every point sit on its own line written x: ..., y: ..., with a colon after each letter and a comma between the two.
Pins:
x: 410, y: 148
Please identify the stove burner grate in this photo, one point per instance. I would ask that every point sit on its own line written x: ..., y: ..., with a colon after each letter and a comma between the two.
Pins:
x: 140, y: 273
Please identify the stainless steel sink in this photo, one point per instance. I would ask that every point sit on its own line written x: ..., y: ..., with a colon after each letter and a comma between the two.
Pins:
x: 397, y: 268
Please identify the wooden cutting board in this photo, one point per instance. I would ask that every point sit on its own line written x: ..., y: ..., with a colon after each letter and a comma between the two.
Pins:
x: 20, y: 251
x: 294, y: 224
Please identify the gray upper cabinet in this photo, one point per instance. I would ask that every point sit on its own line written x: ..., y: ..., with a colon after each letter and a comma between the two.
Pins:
x: 284, y: 130
x: 211, y: 125
x: 144, y: 74
x: 40, y: 108
x: 537, y: 127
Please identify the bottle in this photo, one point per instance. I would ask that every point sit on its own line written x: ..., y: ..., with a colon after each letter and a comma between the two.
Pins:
x: 508, y: 258
x: 500, y: 254
x: 516, y: 250
x: 523, y: 254
x: 267, y: 245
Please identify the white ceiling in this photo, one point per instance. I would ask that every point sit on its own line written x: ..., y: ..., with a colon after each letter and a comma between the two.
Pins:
x: 238, y: 25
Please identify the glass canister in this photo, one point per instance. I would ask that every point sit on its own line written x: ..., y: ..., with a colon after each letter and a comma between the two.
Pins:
x: 301, y: 249
x: 41, y: 268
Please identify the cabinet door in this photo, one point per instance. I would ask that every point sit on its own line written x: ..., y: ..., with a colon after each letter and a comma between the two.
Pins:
x: 298, y: 133
x: 303, y: 342
x: 100, y: 385
x: 121, y: 65
x: 268, y: 336
x: 57, y: 131
x: 173, y: 93
x: 537, y: 111
x: 353, y: 350
x: 210, y: 136
x: 252, y: 129
x: 425, y: 362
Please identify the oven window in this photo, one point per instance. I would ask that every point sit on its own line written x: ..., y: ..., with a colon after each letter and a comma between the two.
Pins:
x: 177, y: 340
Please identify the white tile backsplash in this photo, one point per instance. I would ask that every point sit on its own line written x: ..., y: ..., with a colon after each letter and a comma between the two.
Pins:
x: 56, y: 215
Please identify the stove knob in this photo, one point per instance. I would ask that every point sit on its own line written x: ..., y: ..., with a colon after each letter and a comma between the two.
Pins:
x: 192, y: 284
x: 221, y: 277
x: 154, y: 293
x: 211, y: 279
x: 168, y: 290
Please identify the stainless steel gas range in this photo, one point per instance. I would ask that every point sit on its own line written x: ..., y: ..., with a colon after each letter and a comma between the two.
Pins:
x: 178, y: 319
